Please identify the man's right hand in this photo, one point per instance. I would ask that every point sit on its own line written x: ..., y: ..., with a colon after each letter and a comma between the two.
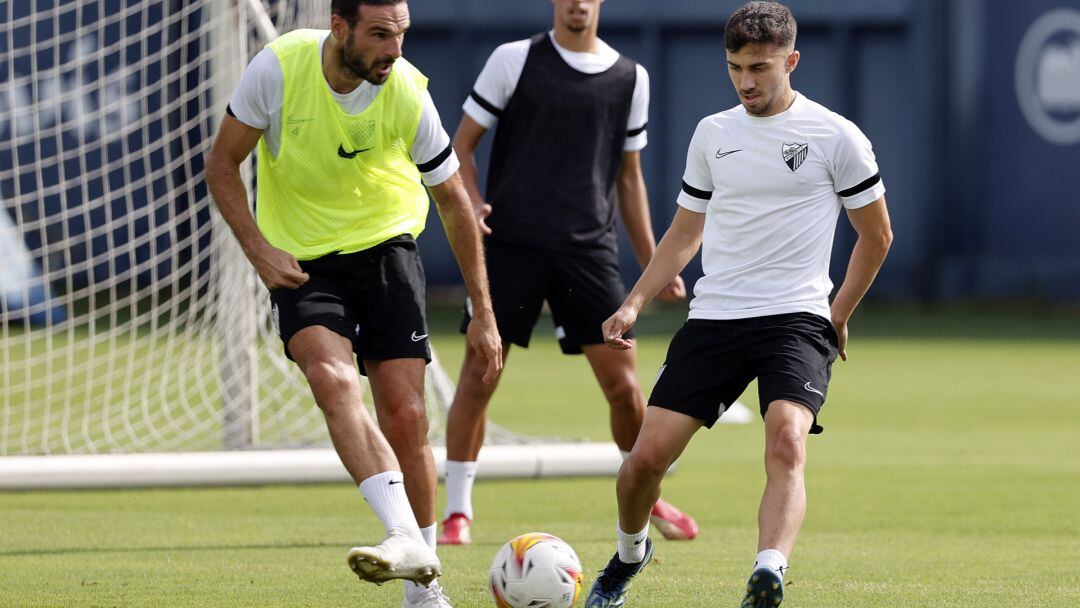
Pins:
x: 482, y: 210
x: 617, y: 325
x: 278, y: 268
x: 483, y: 336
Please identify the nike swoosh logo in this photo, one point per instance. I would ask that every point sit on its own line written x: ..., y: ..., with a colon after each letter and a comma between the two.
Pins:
x: 416, y: 338
x: 812, y: 389
x: 394, y: 482
x: 343, y: 154
x: 720, y: 154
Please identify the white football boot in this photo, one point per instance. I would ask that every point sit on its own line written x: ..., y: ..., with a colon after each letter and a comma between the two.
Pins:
x: 431, y: 597
x: 399, y: 556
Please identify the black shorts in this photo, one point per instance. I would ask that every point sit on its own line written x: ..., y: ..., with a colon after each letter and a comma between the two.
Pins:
x: 710, y: 363
x: 373, y: 297
x: 582, y: 289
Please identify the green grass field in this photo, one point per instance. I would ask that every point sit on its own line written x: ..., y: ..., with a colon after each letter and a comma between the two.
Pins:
x: 948, y: 475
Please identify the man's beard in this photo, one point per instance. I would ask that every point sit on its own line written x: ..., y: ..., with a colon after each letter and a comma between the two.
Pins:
x: 765, y: 103
x: 354, y: 63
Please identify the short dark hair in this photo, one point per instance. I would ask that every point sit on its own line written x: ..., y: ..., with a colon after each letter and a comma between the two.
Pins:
x: 760, y: 23
x: 349, y: 10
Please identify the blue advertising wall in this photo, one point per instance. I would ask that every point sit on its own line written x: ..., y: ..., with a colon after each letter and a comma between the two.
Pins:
x: 973, y: 107
x: 1016, y: 229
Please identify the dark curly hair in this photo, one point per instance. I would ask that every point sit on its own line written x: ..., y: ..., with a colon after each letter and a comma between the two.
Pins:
x: 760, y: 23
x: 349, y: 10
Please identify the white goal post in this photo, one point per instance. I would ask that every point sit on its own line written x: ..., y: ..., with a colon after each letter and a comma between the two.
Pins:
x: 135, y: 339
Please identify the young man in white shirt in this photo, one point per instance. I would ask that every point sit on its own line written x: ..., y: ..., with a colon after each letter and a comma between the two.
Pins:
x: 764, y: 185
x: 570, y: 116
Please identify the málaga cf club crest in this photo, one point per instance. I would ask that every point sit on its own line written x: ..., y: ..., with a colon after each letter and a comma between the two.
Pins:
x: 794, y: 155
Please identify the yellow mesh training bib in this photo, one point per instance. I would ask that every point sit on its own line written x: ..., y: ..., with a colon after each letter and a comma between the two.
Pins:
x: 340, y: 182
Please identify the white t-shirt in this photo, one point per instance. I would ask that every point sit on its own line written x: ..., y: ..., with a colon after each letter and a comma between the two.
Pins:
x: 260, y: 95
x: 771, y: 189
x: 499, y: 78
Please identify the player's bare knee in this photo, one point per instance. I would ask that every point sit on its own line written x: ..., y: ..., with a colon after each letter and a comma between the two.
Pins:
x: 473, y: 368
x: 787, y: 450
x: 472, y: 383
x: 406, y: 423
x: 408, y: 414
x: 473, y: 394
x: 624, y: 395
x: 648, y: 464
x: 330, y: 377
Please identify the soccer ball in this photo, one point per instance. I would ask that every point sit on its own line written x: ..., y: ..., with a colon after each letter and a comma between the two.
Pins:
x: 535, y: 570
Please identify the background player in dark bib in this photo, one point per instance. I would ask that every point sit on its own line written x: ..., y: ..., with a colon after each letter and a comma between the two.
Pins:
x: 764, y: 185
x: 571, y: 115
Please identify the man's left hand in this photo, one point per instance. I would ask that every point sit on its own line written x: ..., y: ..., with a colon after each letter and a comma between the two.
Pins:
x: 675, y: 290
x: 841, y: 337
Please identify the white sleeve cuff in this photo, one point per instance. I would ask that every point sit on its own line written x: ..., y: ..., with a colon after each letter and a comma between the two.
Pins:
x: 692, y: 203
x: 864, y: 197
x: 479, y: 114
x: 863, y: 193
x: 443, y: 172
x: 637, y: 142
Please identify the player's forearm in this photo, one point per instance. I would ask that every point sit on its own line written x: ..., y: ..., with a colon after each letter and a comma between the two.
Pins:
x: 634, y: 211
x: 866, y: 260
x: 468, y: 175
x: 676, y: 249
x: 462, y: 230
x: 466, y: 139
x: 230, y: 195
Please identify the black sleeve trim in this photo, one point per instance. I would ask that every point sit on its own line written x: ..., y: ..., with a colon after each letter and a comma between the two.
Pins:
x: 228, y: 110
x: 694, y: 192
x: 862, y: 186
x: 436, y: 162
x: 487, y: 105
x: 637, y: 131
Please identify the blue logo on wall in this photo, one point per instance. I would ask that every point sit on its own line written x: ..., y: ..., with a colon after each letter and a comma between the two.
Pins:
x: 1048, y: 76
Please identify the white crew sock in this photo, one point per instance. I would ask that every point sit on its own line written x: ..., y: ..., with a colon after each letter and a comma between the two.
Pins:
x: 385, y: 493
x: 459, y: 483
x: 429, y: 535
x: 632, y: 546
x: 773, y: 560
x: 412, y: 590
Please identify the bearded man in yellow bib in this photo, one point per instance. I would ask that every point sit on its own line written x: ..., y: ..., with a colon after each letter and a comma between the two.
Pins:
x: 348, y: 137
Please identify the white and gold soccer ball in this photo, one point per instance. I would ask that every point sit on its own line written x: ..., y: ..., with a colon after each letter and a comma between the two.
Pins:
x: 535, y: 570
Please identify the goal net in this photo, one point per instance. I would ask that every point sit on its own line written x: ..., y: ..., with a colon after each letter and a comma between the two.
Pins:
x: 130, y: 321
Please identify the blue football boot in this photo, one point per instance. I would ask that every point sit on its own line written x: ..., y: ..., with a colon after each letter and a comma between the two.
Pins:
x: 763, y: 590
x: 609, y: 589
